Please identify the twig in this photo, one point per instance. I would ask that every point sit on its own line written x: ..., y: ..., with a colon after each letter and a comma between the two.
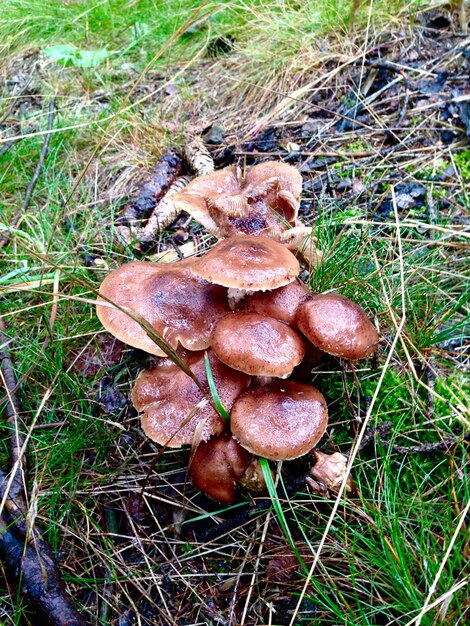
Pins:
x: 8, y: 145
x: 37, y: 574
x: 406, y: 101
x: 381, y: 431
x: 28, y: 558
x: 12, y: 409
x: 29, y: 191
x: 439, y: 446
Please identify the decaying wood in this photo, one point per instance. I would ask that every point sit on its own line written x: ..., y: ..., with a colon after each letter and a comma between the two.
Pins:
x: 29, y: 191
x: 32, y: 566
x: 198, y: 157
x: 165, y: 213
x: 28, y: 559
x: 152, y: 190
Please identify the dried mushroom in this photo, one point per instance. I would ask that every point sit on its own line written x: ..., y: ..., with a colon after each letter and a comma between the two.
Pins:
x: 265, y: 202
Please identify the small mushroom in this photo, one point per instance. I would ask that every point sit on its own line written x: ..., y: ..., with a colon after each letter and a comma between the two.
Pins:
x: 281, y: 303
x: 337, y: 326
x: 167, y: 397
x: 279, y: 421
x: 248, y: 263
x: 179, y: 305
x: 217, y: 465
x: 257, y: 344
x: 328, y: 473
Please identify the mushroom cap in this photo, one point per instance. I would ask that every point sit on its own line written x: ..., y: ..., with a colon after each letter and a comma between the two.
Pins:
x: 167, y: 396
x: 266, y: 202
x: 288, y: 176
x: 217, y: 465
x: 338, y: 326
x: 279, y: 421
x: 281, y: 303
x: 180, y: 306
x: 257, y: 344
x: 195, y: 196
x: 248, y: 262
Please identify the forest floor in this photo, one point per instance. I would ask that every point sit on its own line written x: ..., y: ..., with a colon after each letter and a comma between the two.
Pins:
x: 374, y: 112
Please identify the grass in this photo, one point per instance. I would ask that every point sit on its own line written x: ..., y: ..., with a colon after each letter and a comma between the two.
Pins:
x: 124, y: 553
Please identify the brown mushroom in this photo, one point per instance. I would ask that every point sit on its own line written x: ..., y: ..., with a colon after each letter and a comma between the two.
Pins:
x: 337, y: 326
x: 281, y: 303
x: 329, y: 472
x: 257, y: 344
x: 248, y: 263
x: 279, y: 421
x: 266, y: 202
x: 180, y: 306
x: 195, y: 196
x: 167, y: 397
x: 217, y: 465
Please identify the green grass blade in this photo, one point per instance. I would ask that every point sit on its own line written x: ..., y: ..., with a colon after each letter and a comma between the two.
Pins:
x: 213, y: 389
x: 279, y: 512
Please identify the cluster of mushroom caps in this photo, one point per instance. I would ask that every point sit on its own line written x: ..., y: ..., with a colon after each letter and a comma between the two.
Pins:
x: 241, y: 304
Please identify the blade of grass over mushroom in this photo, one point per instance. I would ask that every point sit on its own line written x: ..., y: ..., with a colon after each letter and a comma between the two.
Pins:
x: 272, y: 491
x: 214, y: 393
x: 154, y: 336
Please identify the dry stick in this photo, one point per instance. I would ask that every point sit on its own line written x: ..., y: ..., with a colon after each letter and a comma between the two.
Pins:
x: 28, y: 558
x: 12, y: 410
x: 29, y: 191
x: 37, y: 573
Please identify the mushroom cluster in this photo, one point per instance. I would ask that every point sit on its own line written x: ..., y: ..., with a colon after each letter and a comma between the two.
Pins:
x: 264, y: 200
x: 241, y: 321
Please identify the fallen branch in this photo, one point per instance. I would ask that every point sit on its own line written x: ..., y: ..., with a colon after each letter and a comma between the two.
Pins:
x: 12, y: 410
x: 37, y: 574
x: 29, y: 560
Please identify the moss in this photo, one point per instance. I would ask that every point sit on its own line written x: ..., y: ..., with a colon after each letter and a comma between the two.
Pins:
x: 462, y: 161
